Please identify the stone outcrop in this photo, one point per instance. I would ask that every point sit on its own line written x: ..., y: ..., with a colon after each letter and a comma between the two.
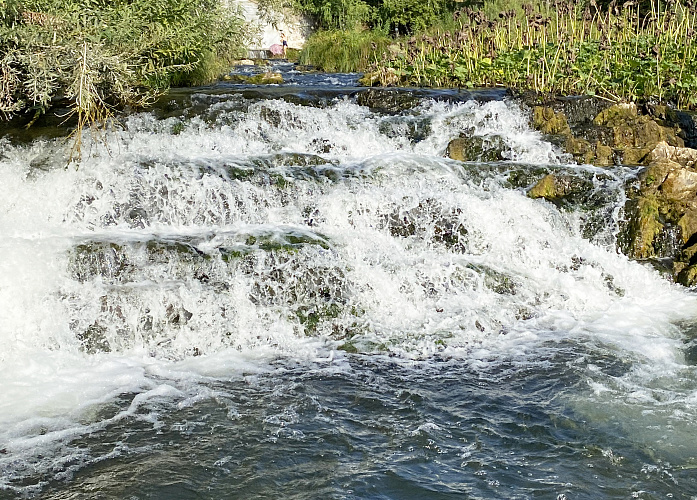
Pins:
x: 617, y: 135
x: 267, y: 78
x: 661, y: 209
x: 661, y: 213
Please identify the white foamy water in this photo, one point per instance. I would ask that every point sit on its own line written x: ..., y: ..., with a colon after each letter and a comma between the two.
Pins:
x: 214, y: 247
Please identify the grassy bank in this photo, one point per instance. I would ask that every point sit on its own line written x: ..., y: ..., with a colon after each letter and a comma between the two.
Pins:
x: 621, y: 52
x: 99, y: 55
x: 345, y: 51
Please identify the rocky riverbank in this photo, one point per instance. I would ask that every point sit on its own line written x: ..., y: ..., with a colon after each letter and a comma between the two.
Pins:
x: 660, y: 215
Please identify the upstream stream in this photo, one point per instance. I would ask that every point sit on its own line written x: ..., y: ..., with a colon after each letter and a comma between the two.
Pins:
x: 277, y: 292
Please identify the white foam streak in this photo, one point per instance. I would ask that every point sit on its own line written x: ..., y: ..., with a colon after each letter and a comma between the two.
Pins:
x: 152, y: 270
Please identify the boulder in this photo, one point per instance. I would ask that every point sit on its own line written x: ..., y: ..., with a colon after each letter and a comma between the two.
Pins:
x: 548, y: 121
x: 476, y: 148
x: 390, y: 101
x: 687, y: 157
x: 562, y: 188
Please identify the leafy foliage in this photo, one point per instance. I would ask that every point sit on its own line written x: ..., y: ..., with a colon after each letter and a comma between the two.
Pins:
x: 626, y: 52
x: 104, y: 53
x: 384, y: 16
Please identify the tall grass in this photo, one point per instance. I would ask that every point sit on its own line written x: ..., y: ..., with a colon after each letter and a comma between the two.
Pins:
x: 623, y: 51
x: 345, y: 51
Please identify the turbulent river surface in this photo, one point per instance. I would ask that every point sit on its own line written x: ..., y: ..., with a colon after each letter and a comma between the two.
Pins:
x: 281, y: 293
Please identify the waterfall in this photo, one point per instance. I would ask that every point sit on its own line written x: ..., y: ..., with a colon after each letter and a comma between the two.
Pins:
x: 229, y: 237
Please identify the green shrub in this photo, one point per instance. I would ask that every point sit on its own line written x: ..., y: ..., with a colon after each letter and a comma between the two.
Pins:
x: 100, y: 54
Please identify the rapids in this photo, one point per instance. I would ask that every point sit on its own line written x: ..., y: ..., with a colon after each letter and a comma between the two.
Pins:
x: 282, y: 293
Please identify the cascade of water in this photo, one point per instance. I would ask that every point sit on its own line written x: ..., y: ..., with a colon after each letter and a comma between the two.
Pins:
x: 215, y: 243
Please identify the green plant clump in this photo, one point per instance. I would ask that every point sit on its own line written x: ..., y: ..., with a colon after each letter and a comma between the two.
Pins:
x: 345, y: 51
x: 101, y: 54
x: 622, y: 52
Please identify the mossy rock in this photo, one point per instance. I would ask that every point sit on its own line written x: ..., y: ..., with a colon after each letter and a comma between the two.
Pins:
x: 562, y: 189
x: 604, y: 155
x: 548, y: 121
x: 617, y: 115
x: 638, y: 238
x: 387, y: 101
x: 633, y: 156
x: 476, y: 148
x: 688, y: 276
x: 580, y: 149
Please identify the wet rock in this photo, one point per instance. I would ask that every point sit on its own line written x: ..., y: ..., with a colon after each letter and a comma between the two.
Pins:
x: 643, y: 229
x: 662, y: 217
x: 580, y: 149
x: 268, y: 78
x: 386, y: 100
x: 385, y: 77
x: 561, y: 189
x: 476, y: 148
x: 548, y: 121
x: 685, y: 122
x: 617, y: 134
x: 104, y: 259
x: 94, y: 339
x: 603, y: 155
x: 687, y: 276
x: 616, y: 115
x: 632, y: 156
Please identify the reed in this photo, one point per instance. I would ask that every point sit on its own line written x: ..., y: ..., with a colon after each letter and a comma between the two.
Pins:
x: 621, y: 52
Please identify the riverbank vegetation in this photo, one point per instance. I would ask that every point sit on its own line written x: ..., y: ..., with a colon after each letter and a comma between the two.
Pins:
x: 97, y: 55
x: 630, y: 51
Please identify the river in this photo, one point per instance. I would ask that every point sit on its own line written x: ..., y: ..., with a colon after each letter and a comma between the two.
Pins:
x: 278, y: 292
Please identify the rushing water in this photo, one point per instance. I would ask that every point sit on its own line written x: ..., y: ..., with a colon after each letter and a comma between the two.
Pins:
x: 280, y: 293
